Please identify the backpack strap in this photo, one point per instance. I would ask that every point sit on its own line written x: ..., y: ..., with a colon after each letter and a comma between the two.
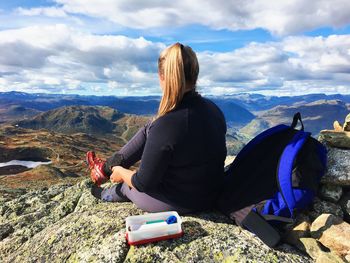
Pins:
x: 285, y: 167
x: 255, y: 223
x: 296, y: 118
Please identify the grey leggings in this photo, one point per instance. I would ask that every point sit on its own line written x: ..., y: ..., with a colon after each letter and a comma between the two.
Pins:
x: 132, y: 153
x: 124, y: 193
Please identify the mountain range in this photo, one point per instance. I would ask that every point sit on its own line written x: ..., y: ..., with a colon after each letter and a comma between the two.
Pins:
x: 120, y: 117
x: 316, y: 115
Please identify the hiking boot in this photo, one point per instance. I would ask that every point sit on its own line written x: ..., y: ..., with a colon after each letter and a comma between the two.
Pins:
x: 97, y: 174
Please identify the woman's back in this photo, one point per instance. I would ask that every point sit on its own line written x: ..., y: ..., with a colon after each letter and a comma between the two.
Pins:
x: 189, y: 144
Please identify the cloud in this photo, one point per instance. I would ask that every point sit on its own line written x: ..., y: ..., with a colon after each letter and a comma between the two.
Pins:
x: 278, y: 17
x: 295, y: 65
x: 42, y: 11
x: 59, y: 58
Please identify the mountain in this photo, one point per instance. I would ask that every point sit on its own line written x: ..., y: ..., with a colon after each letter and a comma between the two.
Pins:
x: 258, y: 102
x: 15, y: 112
x: 43, y: 102
x: 316, y: 116
x: 235, y: 115
x: 73, y: 119
x: 147, y: 105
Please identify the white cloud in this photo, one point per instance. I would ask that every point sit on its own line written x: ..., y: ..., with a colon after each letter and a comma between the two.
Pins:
x: 279, y: 17
x: 294, y: 65
x: 56, y: 58
x: 42, y: 11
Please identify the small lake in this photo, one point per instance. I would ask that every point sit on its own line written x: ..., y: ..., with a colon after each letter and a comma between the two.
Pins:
x: 28, y: 164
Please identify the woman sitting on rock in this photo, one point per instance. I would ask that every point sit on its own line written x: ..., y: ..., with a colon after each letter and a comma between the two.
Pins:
x: 182, y: 151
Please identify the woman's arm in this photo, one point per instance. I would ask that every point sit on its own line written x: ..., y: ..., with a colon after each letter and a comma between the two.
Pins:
x: 121, y: 174
x: 132, y: 151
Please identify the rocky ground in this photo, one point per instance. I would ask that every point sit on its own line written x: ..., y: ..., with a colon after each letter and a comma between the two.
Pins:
x: 65, y: 223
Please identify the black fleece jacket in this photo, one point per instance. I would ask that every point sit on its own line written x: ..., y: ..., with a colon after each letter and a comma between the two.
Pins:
x: 183, y: 159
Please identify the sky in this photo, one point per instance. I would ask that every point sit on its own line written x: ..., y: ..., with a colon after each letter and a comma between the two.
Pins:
x: 111, y: 47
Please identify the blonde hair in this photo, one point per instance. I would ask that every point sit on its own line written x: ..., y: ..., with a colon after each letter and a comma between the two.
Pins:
x: 178, y: 66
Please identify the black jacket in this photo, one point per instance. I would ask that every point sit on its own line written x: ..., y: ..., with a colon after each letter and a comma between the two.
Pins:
x: 183, y: 159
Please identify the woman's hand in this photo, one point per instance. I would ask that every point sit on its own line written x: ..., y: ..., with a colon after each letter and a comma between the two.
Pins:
x: 121, y: 175
x: 116, y: 176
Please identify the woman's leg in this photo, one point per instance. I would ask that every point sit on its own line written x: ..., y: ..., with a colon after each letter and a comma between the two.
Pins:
x: 123, y: 193
x: 132, y: 151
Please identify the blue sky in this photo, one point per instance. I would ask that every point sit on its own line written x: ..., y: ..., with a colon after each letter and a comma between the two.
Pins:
x: 110, y: 47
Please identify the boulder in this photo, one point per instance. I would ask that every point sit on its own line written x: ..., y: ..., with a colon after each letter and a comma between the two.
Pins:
x: 329, y: 258
x: 325, y: 207
x: 338, y: 172
x: 300, y: 230
x: 345, y: 204
x: 337, y: 126
x: 314, y: 249
x: 335, y: 138
x: 346, y: 126
x: 331, y: 192
x: 333, y: 233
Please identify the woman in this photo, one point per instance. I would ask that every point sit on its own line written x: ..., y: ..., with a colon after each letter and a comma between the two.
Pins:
x: 182, y: 151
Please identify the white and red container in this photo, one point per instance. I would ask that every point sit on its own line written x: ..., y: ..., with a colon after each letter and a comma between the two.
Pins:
x: 152, y: 227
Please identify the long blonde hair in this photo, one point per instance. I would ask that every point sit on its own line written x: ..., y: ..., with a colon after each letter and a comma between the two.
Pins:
x: 178, y: 66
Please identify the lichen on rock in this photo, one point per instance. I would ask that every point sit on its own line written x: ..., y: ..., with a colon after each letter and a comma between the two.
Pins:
x: 65, y: 223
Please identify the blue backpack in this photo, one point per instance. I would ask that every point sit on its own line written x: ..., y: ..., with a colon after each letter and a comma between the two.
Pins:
x: 273, y: 177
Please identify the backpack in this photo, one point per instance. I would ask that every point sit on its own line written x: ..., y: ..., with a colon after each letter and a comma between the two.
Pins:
x: 275, y: 176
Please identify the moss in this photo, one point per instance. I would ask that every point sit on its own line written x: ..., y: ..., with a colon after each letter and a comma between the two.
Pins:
x: 52, y: 240
x: 271, y: 257
x: 73, y: 258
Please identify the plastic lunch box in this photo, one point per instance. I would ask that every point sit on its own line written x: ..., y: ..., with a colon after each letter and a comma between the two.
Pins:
x: 152, y: 227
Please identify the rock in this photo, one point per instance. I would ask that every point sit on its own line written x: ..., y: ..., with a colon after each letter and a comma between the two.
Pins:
x: 333, y: 233
x: 345, y: 204
x: 329, y: 258
x: 338, y: 172
x: 325, y: 207
x: 65, y: 223
x: 331, y: 192
x: 346, y: 126
x: 340, y: 139
x: 311, y: 247
x: 301, y: 230
x: 5, y: 230
x: 337, y: 126
x: 323, y: 222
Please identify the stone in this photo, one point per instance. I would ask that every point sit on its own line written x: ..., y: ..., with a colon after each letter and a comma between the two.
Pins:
x: 346, y: 126
x: 345, y: 204
x: 311, y: 247
x: 331, y: 192
x: 323, y: 222
x: 339, y: 139
x: 325, y: 207
x: 5, y: 230
x: 337, y: 126
x: 338, y: 172
x: 329, y: 258
x: 293, y: 236
x: 65, y: 223
x: 333, y: 233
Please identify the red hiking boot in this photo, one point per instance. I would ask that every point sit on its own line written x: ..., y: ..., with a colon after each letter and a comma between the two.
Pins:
x: 95, y: 164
